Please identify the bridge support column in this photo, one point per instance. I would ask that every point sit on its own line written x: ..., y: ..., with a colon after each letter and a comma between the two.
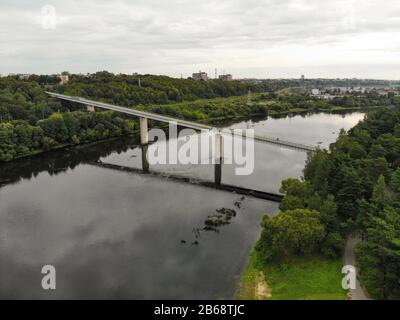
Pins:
x: 90, y: 108
x: 219, y: 158
x: 145, y: 161
x: 144, y: 133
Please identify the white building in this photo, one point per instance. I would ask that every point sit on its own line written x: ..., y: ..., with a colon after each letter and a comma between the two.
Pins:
x: 64, y: 79
x: 315, y: 92
x: 200, y: 76
x: 24, y: 76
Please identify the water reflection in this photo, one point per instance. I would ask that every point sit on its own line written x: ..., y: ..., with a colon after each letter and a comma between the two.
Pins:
x: 117, y: 235
x: 272, y: 163
x: 58, y: 161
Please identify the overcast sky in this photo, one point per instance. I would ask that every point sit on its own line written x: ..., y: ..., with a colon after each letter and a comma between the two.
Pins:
x: 248, y: 38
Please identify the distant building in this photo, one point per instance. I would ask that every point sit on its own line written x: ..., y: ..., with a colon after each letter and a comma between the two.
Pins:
x: 200, y: 76
x: 226, y: 77
x: 64, y: 79
x: 303, y: 77
x: 383, y: 92
x: 24, y: 76
x: 315, y: 92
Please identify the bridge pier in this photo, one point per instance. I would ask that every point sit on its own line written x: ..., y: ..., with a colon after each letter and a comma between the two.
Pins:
x: 144, y: 132
x: 90, y: 108
x: 219, y: 158
x: 145, y: 161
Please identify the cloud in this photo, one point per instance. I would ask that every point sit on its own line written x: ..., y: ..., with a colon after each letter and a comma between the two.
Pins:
x: 180, y: 36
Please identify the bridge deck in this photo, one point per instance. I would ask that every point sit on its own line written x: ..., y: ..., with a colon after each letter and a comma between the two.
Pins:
x: 134, y: 112
x: 179, y: 122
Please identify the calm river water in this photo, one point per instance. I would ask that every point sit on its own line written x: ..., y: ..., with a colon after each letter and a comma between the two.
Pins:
x: 115, y: 234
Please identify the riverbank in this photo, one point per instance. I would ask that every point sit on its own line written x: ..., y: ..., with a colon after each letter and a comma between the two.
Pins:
x: 211, y: 111
x: 335, y: 110
x: 345, y: 192
x: 305, y: 278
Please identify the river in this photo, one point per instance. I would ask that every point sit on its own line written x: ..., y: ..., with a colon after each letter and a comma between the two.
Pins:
x: 112, y: 234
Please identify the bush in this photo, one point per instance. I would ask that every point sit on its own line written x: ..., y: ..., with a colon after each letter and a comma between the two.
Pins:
x: 292, y: 232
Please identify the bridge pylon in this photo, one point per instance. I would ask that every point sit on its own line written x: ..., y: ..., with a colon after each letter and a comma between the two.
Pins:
x: 144, y: 132
x: 219, y: 157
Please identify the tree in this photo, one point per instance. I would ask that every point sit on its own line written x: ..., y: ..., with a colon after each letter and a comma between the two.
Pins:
x: 318, y: 170
x: 291, y: 233
x: 55, y: 127
x: 295, y: 187
x: 290, y: 202
x: 377, y: 151
x: 375, y: 168
x: 380, y: 194
x: 379, y: 256
x: 351, y: 189
x: 395, y: 180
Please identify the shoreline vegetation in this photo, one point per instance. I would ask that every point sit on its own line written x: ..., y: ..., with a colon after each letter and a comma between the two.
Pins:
x: 302, y: 278
x: 33, y: 123
x: 354, y: 187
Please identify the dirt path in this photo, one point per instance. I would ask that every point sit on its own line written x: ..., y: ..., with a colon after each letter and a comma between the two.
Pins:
x: 349, y: 259
x: 262, y: 290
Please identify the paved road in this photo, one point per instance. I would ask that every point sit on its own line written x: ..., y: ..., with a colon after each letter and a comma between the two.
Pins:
x: 349, y: 259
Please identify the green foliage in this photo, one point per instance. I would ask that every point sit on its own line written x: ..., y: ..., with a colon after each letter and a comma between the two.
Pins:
x: 304, y: 278
x: 357, y: 171
x: 295, y: 187
x: 19, y: 139
x: 292, y: 232
x: 300, y: 195
x: 291, y: 202
x: 380, y: 194
x: 55, y: 128
x: 395, y: 181
x: 379, y: 255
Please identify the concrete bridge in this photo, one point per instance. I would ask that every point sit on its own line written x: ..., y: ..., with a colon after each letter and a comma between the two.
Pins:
x: 219, y: 152
x: 143, y: 116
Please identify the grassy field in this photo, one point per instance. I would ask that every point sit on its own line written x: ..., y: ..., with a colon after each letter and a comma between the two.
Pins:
x: 312, y: 278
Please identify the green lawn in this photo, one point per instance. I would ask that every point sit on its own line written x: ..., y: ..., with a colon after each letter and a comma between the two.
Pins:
x: 312, y: 278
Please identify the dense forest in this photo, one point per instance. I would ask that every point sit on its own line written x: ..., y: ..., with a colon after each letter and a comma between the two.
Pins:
x: 354, y: 187
x: 26, y: 99
x: 32, y: 122
x: 277, y: 103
